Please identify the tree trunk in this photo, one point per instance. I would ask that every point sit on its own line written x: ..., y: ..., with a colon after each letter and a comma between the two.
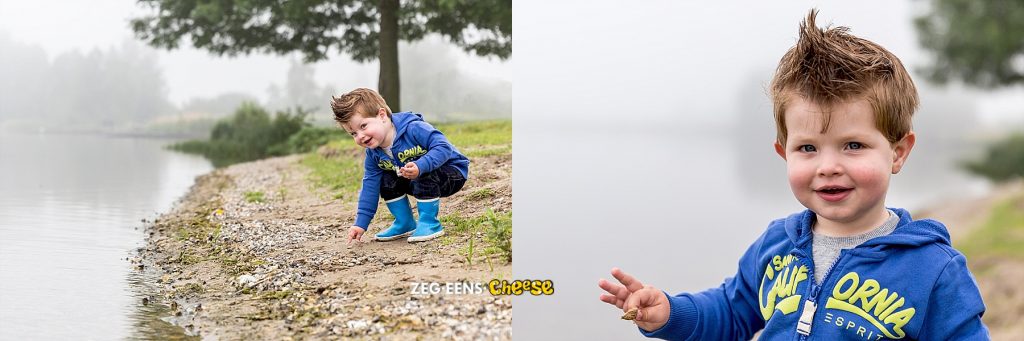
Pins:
x: 388, y: 84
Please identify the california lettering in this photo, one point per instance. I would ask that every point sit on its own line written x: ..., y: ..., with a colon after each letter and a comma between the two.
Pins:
x: 870, y: 301
x: 410, y: 153
x: 785, y: 273
x: 386, y: 164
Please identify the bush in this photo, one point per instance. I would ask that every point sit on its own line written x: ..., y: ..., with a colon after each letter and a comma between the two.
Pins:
x: 1003, y: 160
x: 309, y: 138
x: 249, y: 134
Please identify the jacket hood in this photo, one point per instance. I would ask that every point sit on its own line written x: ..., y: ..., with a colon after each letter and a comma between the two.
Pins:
x: 402, y: 121
x: 908, y: 232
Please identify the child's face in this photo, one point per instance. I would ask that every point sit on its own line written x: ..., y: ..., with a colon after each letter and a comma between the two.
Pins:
x: 369, y: 132
x: 842, y: 175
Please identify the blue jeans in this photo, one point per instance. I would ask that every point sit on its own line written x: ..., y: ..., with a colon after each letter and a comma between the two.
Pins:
x: 442, y: 182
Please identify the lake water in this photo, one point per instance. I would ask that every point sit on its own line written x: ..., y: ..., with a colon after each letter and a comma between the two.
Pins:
x: 71, y: 210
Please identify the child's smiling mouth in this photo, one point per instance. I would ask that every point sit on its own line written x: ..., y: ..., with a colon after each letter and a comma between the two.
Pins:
x: 833, y: 193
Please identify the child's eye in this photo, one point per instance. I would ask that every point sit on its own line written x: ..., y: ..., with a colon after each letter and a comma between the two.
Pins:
x: 362, y: 126
x: 807, y: 148
x: 854, y: 145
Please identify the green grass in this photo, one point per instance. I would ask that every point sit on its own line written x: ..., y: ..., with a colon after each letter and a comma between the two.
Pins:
x: 254, y: 197
x: 341, y: 175
x: 481, y: 194
x: 1001, y: 235
x: 499, y: 234
x: 480, y: 139
x: 470, y: 134
x: 496, y: 229
x: 487, y: 151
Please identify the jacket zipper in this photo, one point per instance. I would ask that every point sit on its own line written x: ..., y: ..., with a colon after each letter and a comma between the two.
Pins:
x: 803, y: 326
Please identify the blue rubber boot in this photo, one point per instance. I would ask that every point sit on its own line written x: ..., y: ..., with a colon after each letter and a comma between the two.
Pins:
x: 403, y: 225
x: 428, y: 226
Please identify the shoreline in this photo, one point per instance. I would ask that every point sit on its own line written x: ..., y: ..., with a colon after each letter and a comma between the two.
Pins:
x: 278, y: 267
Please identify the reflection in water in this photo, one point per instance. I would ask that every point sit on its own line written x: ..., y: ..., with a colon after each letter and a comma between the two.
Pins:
x: 70, y: 213
x: 149, y: 321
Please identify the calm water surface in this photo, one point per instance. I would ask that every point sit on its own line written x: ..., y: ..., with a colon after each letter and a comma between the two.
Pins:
x: 70, y: 214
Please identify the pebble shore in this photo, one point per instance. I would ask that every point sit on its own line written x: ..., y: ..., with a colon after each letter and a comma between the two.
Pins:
x: 279, y: 267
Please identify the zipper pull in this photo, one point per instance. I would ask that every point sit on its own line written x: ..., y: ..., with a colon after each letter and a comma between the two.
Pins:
x: 803, y: 327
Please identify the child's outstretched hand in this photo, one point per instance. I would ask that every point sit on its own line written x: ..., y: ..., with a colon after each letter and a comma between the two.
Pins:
x: 410, y: 171
x: 653, y: 307
x: 355, y: 233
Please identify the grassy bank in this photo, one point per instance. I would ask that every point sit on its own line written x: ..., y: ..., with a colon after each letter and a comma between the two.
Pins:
x: 992, y: 240
x: 1001, y: 235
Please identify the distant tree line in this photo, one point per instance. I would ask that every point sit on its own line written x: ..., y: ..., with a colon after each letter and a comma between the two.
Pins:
x: 100, y: 89
x: 123, y: 88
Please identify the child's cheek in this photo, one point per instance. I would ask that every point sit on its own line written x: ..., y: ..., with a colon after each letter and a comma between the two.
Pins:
x: 800, y: 174
x: 872, y: 182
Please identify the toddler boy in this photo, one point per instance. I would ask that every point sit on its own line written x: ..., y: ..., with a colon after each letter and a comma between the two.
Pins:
x: 847, y: 268
x: 405, y: 155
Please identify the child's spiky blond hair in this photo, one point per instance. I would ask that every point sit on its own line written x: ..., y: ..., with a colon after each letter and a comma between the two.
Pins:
x: 830, y: 66
x: 360, y: 101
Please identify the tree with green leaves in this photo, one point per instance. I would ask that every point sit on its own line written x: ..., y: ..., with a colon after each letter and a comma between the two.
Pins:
x: 979, y: 42
x: 982, y: 44
x: 365, y: 30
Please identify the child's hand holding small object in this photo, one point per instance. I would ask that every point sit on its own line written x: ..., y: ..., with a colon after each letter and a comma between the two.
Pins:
x: 409, y: 171
x: 631, y: 314
x: 643, y: 304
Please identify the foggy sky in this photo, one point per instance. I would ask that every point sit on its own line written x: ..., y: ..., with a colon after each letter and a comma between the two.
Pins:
x: 59, y: 26
x: 667, y: 53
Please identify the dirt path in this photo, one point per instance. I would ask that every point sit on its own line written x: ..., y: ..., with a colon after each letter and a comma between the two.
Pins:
x: 237, y: 265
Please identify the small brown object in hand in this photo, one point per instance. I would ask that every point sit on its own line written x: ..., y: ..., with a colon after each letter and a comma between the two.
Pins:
x: 631, y: 314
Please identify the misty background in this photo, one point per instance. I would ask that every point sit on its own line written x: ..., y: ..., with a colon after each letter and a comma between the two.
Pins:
x: 75, y: 66
x: 644, y: 141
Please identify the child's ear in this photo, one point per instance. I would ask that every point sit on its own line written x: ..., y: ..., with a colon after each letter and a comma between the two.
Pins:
x: 901, y: 150
x: 780, y: 150
x: 381, y: 113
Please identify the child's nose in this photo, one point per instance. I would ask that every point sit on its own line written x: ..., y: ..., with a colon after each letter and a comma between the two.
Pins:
x: 829, y: 165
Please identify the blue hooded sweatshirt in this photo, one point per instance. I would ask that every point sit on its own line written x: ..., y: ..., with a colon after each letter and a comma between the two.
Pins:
x: 910, y: 284
x: 415, y: 141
